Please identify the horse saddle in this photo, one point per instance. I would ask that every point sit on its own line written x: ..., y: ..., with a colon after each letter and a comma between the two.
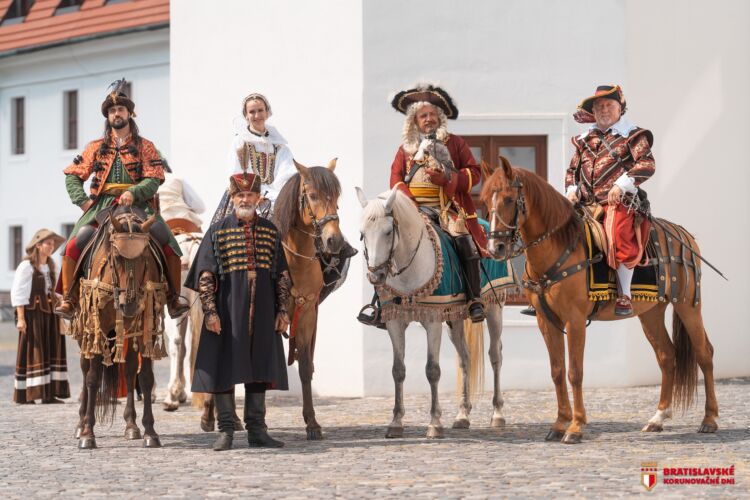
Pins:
x: 593, y: 215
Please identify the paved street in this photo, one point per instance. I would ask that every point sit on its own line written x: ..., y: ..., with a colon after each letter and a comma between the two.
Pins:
x: 40, y: 458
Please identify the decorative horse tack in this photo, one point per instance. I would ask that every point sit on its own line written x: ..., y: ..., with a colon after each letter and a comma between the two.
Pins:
x: 134, y: 313
x: 571, y: 304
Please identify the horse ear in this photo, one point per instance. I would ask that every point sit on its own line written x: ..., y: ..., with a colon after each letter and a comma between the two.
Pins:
x: 361, y: 196
x: 332, y: 165
x: 301, y: 168
x: 507, y: 169
x: 390, y: 200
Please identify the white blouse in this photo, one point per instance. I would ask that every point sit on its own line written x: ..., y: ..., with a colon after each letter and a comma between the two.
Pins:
x: 20, y: 293
x: 284, y: 167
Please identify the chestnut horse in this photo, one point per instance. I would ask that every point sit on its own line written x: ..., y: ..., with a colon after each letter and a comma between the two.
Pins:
x: 526, y: 210
x: 306, y: 216
x: 120, y: 319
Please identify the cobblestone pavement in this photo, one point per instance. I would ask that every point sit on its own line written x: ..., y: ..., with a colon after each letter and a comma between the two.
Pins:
x: 40, y: 458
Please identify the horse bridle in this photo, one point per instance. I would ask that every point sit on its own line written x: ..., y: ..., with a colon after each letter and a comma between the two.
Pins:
x: 513, y: 230
x: 331, y: 263
x: 388, y: 263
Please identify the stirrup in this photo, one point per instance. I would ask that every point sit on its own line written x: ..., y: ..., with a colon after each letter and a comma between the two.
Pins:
x: 371, y: 318
x: 529, y: 311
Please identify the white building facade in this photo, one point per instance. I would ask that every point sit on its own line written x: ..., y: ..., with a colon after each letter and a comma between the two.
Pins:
x: 515, y: 68
x: 32, y: 185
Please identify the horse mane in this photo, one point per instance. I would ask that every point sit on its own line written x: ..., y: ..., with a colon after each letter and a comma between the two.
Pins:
x: 542, y: 199
x: 402, y: 208
x: 286, y: 208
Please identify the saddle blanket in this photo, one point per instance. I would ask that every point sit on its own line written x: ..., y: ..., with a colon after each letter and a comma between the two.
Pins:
x: 603, y: 279
x: 448, y: 301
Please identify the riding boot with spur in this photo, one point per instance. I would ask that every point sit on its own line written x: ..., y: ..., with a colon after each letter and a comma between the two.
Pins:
x: 176, y: 304
x: 255, y: 421
x: 225, y: 410
x: 469, y: 257
x: 67, y: 274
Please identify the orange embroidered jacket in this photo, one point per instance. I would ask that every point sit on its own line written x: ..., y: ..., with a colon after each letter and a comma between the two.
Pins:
x: 141, y: 162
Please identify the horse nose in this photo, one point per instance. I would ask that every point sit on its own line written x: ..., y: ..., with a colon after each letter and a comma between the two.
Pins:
x: 334, y: 243
x: 499, y: 250
x: 376, y: 277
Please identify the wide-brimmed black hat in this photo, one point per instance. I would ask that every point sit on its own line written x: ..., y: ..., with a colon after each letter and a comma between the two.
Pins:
x: 613, y: 92
x: 426, y: 93
x: 116, y: 96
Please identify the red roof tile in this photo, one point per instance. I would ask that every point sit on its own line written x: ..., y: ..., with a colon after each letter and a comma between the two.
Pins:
x: 41, y: 27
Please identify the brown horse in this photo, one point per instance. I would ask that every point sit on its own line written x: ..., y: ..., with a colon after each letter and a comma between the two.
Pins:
x: 306, y: 216
x: 526, y: 210
x: 120, y: 320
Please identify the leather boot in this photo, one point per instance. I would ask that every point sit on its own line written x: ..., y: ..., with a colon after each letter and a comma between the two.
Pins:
x: 255, y: 422
x: 469, y: 257
x: 176, y: 305
x: 224, y: 409
x: 67, y: 274
x: 235, y: 419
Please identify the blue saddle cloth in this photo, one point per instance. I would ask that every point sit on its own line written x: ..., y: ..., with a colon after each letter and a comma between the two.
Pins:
x: 448, y: 300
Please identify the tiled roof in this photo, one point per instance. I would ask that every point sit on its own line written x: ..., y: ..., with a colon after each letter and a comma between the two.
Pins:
x: 95, y: 17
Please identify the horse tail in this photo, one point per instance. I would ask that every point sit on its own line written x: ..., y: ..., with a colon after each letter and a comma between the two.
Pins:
x: 106, y: 396
x: 686, y: 366
x: 475, y: 342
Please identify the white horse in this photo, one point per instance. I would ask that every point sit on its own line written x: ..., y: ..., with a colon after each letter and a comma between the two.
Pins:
x: 401, y: 255
x: 183, y: 331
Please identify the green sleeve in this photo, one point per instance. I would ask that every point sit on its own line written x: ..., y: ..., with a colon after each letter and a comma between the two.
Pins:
x: 144, y: 190
x: 74, y: 185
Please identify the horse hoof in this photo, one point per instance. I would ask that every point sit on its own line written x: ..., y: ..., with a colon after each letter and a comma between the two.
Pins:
x: 435, y: 432
x: 652, y: 427
x: 86, y: 443
x: 151, y: 442
x: 183, y: 398
x: 554, y: 435
x: 238, y: 425
x: 572, y: 438
x: 208, y: 426
x: 171, y: 406
x: 314, y: 434
x: 461, y: 423
x: 497, y: 422
x: 132, y: 433
x: 394, y: 432
x: 708, y: 428
x: 77, y: 433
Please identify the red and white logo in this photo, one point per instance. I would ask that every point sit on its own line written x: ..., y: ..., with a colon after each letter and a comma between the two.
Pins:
x: 648, y: 475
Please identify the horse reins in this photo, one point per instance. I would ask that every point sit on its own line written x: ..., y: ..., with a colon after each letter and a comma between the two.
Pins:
x: 389, y: 263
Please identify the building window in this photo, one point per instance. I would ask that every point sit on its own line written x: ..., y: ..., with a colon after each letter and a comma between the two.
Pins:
x: 70, y: 126
x: 525, y: 151
x: 17, y: 12
x: 66, y: 6
x: 16, y: 246
x: 18, y: 129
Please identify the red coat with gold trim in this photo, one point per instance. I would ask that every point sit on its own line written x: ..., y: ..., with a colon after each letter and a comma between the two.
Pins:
x: 459, y: 187
x: 140, y: 162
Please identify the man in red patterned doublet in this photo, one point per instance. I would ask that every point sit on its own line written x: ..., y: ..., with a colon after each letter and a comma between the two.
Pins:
x: 610, y: 161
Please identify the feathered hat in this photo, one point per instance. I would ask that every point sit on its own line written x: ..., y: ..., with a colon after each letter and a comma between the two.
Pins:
x: 585, y: 111
x: 117, y: 96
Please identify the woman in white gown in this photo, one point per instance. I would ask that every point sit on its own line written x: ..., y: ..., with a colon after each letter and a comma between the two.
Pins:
x: 258, y: 148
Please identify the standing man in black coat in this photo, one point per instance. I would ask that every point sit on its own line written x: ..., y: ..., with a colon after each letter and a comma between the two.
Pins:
x: 241, y: 275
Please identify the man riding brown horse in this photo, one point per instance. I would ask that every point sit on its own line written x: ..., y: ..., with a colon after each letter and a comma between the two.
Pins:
x: 610, y: 161
x: 127, y: 170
